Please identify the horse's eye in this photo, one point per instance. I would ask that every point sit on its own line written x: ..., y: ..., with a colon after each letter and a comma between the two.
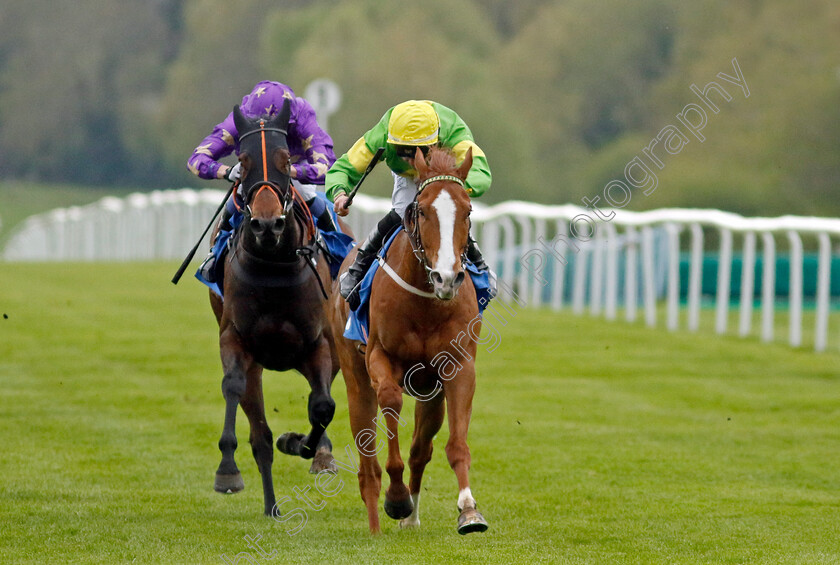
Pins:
x: 420, y: 211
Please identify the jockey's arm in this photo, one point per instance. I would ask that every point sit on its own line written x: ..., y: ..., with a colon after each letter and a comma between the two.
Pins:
x: 455, y: 134
x: 348, y: 169
x: 204, y: 161
x: 317, y: 146
x: 479, y: 178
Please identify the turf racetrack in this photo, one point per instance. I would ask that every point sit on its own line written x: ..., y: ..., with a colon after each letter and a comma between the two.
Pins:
x: 592, y: 442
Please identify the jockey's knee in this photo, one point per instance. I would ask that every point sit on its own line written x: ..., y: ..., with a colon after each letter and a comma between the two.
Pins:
x: 317, y: 206
x: 307, y: 191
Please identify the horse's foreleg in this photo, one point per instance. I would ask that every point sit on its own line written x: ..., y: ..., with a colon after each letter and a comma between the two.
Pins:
x: 459, y: 394
x: 235, y: 363
x: 389, y: 396
x: 428, y: 418
x: 261, y: 439
x: 321, y: 406
x: 318, y: 370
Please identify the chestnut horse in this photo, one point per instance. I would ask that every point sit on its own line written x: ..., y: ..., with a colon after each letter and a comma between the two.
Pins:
x: 273, y: 313
x: 413, y: 321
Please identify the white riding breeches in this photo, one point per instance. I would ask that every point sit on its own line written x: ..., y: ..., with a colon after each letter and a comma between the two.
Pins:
x: 305, y: 190
x: 403, y: 195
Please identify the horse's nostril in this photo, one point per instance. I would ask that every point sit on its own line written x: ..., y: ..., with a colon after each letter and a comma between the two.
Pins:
x: 436, y: 278
x: 459, y: 278
x: 255, y: 224
x: 279, y: 224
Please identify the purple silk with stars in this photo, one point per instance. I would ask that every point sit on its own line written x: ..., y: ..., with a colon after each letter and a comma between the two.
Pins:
x: 311, y: 148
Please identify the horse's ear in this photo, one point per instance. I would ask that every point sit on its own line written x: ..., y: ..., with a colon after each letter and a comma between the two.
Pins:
x: 465, y: 167
x: 282, y: 119
x: 420, y: 162
x: 239, y: 120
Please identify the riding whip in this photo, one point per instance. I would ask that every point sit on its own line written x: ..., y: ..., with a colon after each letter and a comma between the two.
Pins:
x: 371, y: 165
x: 191, y: 254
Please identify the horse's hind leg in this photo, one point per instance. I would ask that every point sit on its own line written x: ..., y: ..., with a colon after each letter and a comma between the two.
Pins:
x: 261, y: 439
x: 428, y: 418
x: 235, y: 363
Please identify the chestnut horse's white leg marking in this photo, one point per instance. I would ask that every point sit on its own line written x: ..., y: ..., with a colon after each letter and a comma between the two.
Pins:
x: 412, y: 521
x: 465, y: 499
x: 445, y: 207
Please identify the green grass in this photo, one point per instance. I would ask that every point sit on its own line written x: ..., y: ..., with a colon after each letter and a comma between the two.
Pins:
x: 592, y: 442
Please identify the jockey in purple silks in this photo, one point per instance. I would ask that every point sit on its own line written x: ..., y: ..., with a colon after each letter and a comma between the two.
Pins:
x: 310, y: 147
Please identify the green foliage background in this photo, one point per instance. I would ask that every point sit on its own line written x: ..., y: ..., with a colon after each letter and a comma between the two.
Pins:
x: 561, y: 94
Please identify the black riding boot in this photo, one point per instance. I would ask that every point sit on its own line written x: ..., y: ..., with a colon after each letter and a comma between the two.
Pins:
x: 208, y: 267
x: 324, y: 220
x: 349, y: 282
x: 475, y: 257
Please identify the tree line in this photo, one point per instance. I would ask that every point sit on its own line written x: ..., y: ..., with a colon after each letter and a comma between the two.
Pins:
x: 563, y: 95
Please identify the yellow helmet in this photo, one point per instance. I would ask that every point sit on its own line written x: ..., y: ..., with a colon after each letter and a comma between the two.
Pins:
x: 413, y: 123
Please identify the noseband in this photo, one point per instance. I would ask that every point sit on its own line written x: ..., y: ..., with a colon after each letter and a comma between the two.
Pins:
x: 287, y: 200
x: 414, y: 236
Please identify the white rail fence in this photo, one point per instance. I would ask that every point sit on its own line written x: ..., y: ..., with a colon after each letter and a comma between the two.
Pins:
x: 559, y: 256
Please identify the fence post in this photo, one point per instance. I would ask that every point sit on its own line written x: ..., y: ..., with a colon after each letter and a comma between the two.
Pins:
x: 723, y: 280
x: 747, y: 284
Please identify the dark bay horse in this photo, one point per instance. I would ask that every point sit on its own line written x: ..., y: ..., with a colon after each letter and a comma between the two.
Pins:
x: 273, y: 313
x: 414, y: 323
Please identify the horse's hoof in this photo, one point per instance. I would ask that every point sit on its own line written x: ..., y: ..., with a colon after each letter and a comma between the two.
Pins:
x: 228, y: 484
x: 399, y: 509
x: 470, y: 521
x: 323, y: 461
x: 409, y: 523
x: 290, y: 443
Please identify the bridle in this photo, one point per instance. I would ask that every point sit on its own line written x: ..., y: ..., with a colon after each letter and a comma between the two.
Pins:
x: 286, y: 195
x: 414, y: 236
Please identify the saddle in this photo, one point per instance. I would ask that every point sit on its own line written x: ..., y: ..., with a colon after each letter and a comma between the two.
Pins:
x: 358, y: 322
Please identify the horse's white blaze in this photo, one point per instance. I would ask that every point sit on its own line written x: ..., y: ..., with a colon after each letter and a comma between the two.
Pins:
x: 413, y: 520
x: 465, y: 499
x: 445, y: 207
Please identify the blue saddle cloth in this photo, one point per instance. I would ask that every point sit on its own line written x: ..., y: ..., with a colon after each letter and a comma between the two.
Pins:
x: 358, y: 323
x: 337, y: 245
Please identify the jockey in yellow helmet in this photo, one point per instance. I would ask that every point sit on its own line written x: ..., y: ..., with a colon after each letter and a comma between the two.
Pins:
x: 403, y: 128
